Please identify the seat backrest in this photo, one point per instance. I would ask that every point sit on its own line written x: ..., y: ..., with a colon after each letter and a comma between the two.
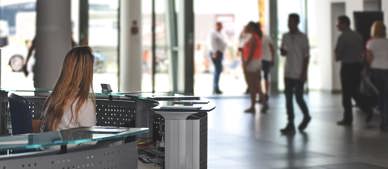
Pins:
x: 36, y: 106
x: 21, y: 118
x: 118, y: 113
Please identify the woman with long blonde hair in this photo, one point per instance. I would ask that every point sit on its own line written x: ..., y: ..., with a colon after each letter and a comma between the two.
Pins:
x: 72, y: 103
x: 377, y: 57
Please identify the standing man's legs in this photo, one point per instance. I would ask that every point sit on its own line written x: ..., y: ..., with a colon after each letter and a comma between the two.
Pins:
x: 346, y: 84
x: 266, y: 66
x: 355, y: 87
x: 217, y: 62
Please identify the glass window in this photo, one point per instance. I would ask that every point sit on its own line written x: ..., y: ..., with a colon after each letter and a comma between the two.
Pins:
x: 162, y: 77
x: 234, y: 17
x: 103, y: 39
x: 17, y: 29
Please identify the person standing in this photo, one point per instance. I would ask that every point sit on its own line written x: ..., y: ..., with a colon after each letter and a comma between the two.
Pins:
x: 251, y: 56
x: 377, y: 57
x: 217, y: 48
x: 243, y: 38
x: 295, y: 48
x: 266, y: 64
x: 31, y: 51
x: 348, y: 51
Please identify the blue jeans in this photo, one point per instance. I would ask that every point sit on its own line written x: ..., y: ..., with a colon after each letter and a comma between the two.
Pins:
x: 295, y: 87
x: 380, y: 80
x: 217, y: 62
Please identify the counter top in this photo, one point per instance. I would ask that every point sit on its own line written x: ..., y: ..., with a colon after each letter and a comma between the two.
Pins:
x: 67, y: 137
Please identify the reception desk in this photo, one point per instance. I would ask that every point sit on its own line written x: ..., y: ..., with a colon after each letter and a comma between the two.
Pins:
x: 92, y: 147
x: 177, y: 124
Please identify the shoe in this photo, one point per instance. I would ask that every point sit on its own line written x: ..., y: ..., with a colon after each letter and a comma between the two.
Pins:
x: 264, y: 108
x: 266, y: 97
x: 250, y: 110
x: 217, y: 91
x: 305, y: 122
x: 289, y: 129
x: 344, y: 123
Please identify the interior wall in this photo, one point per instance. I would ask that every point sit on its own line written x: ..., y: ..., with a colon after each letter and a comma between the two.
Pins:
x: 320, y: 34
x: 320, y: 45
x: 384, y: 8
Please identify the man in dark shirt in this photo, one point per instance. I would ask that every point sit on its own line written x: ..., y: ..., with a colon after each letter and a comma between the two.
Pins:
x: 349, y: 52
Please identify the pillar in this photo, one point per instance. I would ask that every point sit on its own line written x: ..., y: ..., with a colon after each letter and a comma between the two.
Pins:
x: 186, y: 47
x: 130, y: 75
x: 273, y: 31
x: 53, y: 41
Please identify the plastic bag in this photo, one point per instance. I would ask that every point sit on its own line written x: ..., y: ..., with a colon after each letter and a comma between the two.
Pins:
x: 367, y: 88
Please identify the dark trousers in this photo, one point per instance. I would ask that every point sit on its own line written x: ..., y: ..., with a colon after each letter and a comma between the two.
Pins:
x: 295, y: 86
x: 217, y: 62
x: 266, y: 68
x: 380, y: 80
x: 350, y: 82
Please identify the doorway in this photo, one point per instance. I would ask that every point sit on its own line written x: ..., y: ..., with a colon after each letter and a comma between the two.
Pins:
x: 337, y: 9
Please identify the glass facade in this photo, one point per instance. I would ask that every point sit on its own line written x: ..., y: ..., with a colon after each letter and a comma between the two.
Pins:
x: 17, y: 29
x: 104, y: 40
x: 162, y: 67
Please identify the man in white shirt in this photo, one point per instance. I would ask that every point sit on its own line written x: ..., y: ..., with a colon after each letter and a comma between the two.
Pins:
x: 217, y: 48
x: 267, y: 62
x: 295, y: 47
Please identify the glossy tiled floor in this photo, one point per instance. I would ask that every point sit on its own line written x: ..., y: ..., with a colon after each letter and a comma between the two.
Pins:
x: 238, y: 140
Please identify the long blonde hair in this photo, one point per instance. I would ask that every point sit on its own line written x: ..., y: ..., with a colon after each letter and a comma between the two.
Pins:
x: 378, y: 30
x: 73, y: 86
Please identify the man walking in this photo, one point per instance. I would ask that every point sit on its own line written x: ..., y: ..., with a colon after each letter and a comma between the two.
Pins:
x: 349, y: 51
x: 217, y: 48
x: 295, y: 47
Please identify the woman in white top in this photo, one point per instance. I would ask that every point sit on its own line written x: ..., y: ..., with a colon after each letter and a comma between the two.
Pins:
x: 377, y: 57
x: 71, y: 103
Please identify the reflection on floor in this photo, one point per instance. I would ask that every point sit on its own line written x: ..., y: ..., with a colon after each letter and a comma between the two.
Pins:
x: 238, y: 140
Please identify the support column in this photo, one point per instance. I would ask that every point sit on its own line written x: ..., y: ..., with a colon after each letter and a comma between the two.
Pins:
x: 83, y: 22
x: 172, y: 40
x: 130, y: 46
x: 273, y: 31
x: 53, y: 41
x: 186, y: 47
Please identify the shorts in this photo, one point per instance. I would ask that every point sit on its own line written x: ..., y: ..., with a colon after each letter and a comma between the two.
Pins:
x: 254, y: 66
x: 266, y: 67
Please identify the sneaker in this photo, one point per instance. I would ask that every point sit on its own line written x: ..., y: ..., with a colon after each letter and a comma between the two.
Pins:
x: 217, y: 92
x: 305, y: 122
x: 289, y: 129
